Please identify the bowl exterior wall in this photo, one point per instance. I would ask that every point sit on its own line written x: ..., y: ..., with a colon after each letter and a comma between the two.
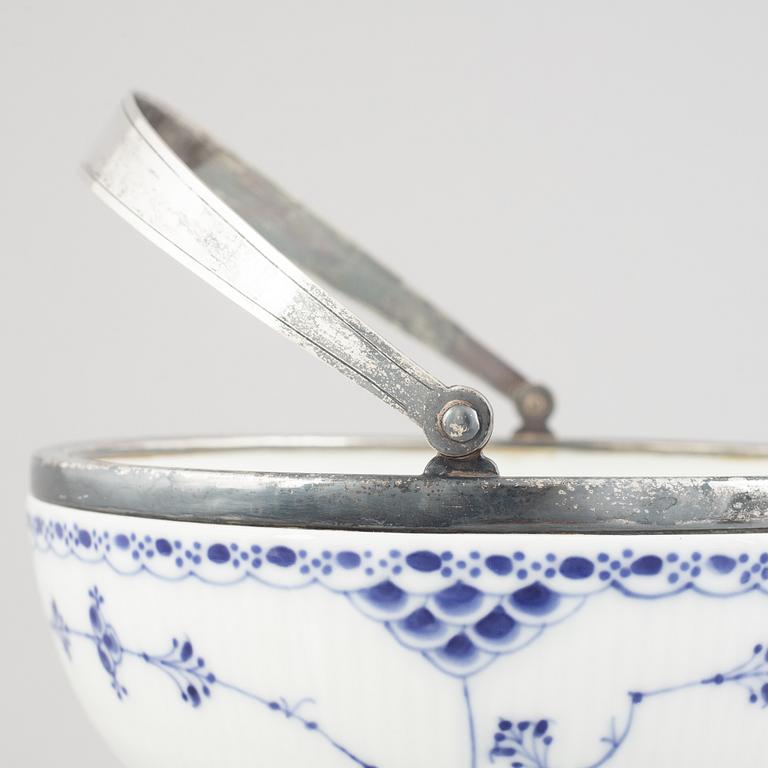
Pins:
x: 193, y: 645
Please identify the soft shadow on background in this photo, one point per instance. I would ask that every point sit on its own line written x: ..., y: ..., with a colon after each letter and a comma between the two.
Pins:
x: 593, y: 175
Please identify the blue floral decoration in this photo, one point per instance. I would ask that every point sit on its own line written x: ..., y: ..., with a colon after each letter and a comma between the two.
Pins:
x: 460, y: 609
x: 183, y: 666
x: 526, y: 744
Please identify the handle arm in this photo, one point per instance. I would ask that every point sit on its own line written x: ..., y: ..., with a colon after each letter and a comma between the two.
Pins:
x: 147, y: 173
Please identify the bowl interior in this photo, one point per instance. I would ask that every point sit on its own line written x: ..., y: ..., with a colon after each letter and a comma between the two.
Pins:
x: 512, y: 460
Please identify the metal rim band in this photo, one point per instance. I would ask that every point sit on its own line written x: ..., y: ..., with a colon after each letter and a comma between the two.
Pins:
x: 78, y: 476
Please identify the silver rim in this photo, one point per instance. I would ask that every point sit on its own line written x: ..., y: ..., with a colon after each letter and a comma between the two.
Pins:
x: 79, y: 476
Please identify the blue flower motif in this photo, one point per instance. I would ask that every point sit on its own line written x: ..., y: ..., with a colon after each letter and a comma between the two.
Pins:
x: 181, y: 664
x: 473, y: 607
x: 526, y: 743
x: 107, y: 642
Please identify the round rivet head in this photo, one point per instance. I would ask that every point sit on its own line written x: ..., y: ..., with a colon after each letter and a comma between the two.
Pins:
x: 460, y: 422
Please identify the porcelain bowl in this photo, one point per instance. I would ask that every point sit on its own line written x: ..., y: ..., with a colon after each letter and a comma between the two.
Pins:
x: 192, y: 643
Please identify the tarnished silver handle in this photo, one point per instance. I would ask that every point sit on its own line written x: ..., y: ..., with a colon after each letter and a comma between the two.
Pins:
x: 322, y: 251
x: 171, y: 182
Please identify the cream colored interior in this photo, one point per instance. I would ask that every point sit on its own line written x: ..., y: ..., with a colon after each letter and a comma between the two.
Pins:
x: 521, y: 461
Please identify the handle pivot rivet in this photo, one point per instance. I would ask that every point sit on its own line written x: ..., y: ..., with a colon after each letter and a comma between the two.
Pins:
x: 459, y: 421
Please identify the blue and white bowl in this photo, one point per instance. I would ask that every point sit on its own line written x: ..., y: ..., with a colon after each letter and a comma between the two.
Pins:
x: 256, y: 603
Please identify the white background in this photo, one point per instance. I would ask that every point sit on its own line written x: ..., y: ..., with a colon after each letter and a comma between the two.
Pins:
x: 584, y: 184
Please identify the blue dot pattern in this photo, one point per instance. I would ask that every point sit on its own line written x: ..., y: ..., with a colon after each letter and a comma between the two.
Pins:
x: 461, y: 608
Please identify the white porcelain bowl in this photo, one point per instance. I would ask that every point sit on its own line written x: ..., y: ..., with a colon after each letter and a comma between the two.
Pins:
x: 195, y: 644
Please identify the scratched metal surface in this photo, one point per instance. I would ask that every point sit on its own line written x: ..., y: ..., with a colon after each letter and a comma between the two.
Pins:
x: 238, y: 231
x: 79, y: 476
x: 145, y: 182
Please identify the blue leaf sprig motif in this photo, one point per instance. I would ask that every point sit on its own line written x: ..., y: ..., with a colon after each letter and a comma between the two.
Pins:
x: 187, y: 670
x: 516, y: 744
x: 526, y: 744
x: 460, y: 609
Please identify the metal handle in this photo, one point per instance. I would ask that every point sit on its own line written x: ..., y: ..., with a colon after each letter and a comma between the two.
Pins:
x: 159, y: 173
x: 323, y: 252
